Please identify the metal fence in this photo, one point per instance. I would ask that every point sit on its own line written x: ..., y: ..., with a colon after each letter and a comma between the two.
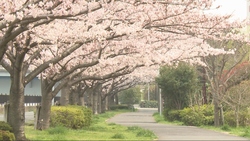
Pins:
x: 30, y: 100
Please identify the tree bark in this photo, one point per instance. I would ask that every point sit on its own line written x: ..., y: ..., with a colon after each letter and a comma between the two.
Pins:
x: 95, y: 103
x: 216, y: 111
x: 74, y: 98
x: 116, y: 99
x: 46, y: 103
x: 222, y: 121
x: 44, y: 118
x: 17, y: 108
x: 237, y: 115
x: 107, y: 103
x: 64, y: 100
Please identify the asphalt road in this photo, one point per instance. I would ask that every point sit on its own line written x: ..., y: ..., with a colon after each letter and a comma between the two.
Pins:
x: 144, y: 119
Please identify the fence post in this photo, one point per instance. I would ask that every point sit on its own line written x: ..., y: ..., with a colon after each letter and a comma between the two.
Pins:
x: 6, y: 111
x: 37, y: 121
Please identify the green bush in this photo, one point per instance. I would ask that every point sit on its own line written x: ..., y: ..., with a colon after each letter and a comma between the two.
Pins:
x: 5, y: 126
x: 148, y: 104
x: 244, y: 118
x: 173, y: 115
x: 225, y: 127
x: 74, y: 117
x: 197, y: 115
x: 116, y: 107
x: 6, y: 136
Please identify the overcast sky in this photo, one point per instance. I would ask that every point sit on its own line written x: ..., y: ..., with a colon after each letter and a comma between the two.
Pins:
x: 237, y: 7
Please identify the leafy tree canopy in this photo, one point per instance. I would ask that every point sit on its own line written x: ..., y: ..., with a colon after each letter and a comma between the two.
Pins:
x: 177, y: 82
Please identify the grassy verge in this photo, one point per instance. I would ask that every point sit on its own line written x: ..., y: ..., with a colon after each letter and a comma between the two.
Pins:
x: 240, y: 131
x: 99, y: 130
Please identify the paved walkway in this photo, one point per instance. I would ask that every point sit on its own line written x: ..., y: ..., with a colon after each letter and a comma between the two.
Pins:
x: 144, y: 119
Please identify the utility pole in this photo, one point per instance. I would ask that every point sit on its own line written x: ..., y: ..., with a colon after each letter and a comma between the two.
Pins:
x: 148, y: 93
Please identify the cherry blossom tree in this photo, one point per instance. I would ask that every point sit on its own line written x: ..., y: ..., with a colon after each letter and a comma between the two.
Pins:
x: 160, y: 31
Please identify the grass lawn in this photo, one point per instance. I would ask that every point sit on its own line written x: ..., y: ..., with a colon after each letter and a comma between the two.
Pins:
x: 99, y: 130
x: 240, y: 131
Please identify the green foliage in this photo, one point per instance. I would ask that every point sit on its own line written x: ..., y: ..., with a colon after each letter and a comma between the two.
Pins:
x: 116, y: 107
x: 246, y: 132
x: 244, y: 118
x: 5, y: 126
x: 225, y: 127
x: 145, y: 133
x: 98, y: 130
x: 148, y: 104
x: 191, y: 117
x: 195, y: 116
x: 118, y: 136
x: 130, y: 96
x: 174, y: 115
x: 74, y: 117
x: 6, y: 136
x: 177, y: 83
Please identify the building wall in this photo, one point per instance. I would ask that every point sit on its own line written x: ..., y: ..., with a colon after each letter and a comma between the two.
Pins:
x: 32, y: 88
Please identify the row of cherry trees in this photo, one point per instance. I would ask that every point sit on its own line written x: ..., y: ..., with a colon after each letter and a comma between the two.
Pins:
x: 99, y: 47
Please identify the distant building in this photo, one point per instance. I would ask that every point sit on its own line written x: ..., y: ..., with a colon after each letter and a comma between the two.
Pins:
x: 32, y: 89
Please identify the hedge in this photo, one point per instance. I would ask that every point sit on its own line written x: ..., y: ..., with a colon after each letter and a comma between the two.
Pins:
x: 74, y: 117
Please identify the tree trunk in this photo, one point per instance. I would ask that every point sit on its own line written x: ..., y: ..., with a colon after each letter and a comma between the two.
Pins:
x: 44, y: 116
x: 17, y: 108
x: 46, y: 103
x: 81, y: 101
x: 116, y: 99
x: 95, y: 103
x: 64, y: 100
x: 222, y: 121
x: 103, y: 101
x: 89, y: 94
x: 111, y: 101
x: 237, y: 115
x: 216, y: 111
x: 107, y: 103
x: 74, y: 98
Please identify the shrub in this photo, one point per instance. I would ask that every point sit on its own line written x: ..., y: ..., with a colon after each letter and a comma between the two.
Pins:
x: 244, y: 118
x: 6, y: 136
x: 74, y: 117
x: 197, y: 115
x: 191, y: 117
x: 173, y: 115
x: 116, y: 107
x: 5, y: 126
x: 148, y: 104
x: 225, y: 127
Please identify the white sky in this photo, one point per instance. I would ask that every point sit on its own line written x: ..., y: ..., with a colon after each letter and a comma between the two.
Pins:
x: 236, y: 7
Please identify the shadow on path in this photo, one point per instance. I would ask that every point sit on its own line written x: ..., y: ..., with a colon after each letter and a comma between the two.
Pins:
x: 143, y: 118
